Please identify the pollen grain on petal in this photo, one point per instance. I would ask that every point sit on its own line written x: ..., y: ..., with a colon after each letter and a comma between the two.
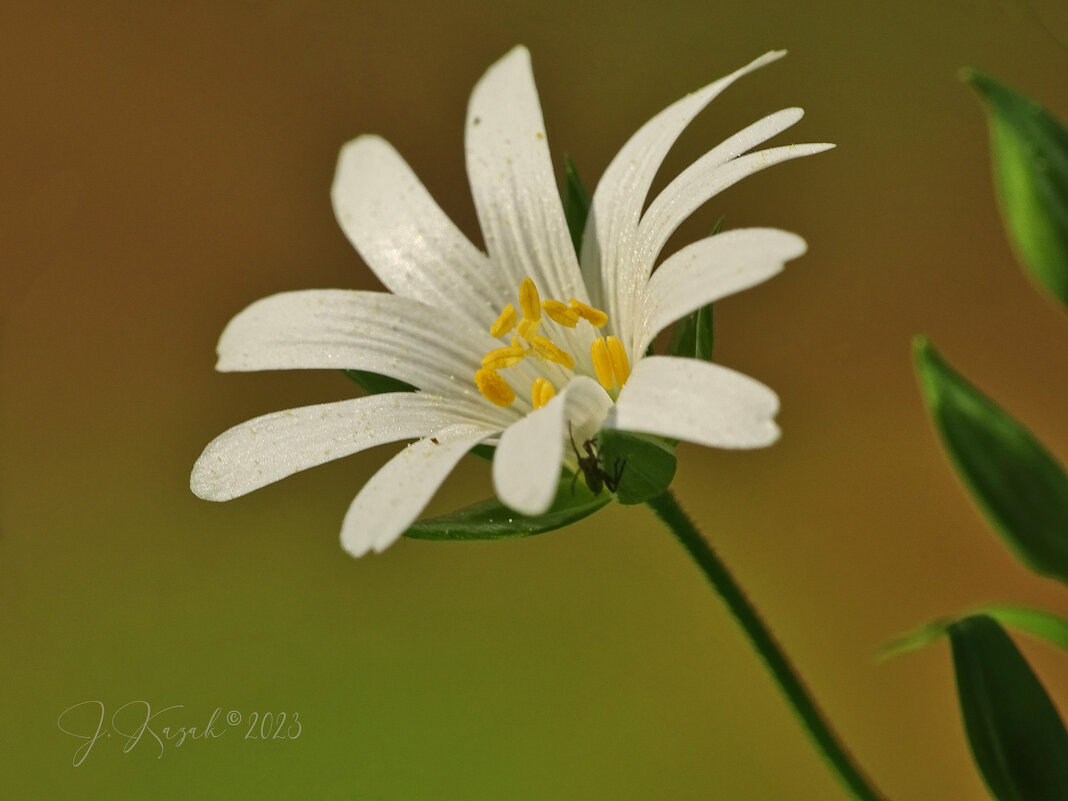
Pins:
x: 594, y: 317
x: 545, y: 348
x: 506, y: 321
x: 541, y: 392
x: 494, y: 388
x: 529, y: 300
x: 620, y: 364
x: 560, y: 313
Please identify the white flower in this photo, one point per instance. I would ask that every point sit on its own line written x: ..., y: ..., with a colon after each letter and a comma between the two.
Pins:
x: 520, y: 346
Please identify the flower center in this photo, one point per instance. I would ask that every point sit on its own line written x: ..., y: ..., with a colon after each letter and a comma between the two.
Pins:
x: 554, y: 360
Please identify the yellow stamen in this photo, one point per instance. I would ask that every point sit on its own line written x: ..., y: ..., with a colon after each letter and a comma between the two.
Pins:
x: 620, y: 363
x: 602, y: 363
x: 594, y: 317
x: 529, y: 300
x: 528, y: 328
x: 494, y: 388
x: 499, y: 358
x: 560, y: 313
x: 541, y: 392
x: 505, y: 323
x: 544, y: 348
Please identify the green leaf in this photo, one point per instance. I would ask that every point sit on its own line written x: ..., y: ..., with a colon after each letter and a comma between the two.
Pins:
x: 1017, y: 738
x: 377, y: 384
x: 1036, y: 622
x: 492, y: 520
x: 1018, y: 484
x: 576, y: 203
x: 1030, y: 152
x: 645, y: 464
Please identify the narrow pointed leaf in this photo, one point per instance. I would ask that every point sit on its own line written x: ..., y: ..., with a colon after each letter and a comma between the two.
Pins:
x: 1018, y: 484
x: 576, y: 203
x: 1017, y: 738
x: 376, y: 384
x: 492, y: 520
x: 1030, y: 152
x: 1035, y: 622
x: 645, y: 464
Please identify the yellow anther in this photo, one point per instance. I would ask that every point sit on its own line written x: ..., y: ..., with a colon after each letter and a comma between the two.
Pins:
x: 505, y: 323
x: 494, y: 388
x: 560, y: 312
x: 544, y: 348
x: 594, y: 317
x: 529, y: 300
x: 528, y: 328
x: 541, y: 392
x: 620, y: 363
x: 602, y: 363
x: 499, y: 358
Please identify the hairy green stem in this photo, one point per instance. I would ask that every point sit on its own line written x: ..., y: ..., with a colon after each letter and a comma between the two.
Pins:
x: 816, y: 726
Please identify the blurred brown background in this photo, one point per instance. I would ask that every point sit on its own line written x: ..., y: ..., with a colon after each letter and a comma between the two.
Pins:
x: 166, y: 163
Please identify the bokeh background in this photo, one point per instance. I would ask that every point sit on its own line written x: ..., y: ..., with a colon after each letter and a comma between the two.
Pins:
x: 164, y: 164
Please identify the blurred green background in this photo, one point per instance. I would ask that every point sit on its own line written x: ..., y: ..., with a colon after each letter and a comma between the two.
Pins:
x: 165, y: 164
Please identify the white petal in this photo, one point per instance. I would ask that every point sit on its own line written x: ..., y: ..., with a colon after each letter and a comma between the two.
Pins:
x: 699, y: 182
x: 526, y: 465
x: 405, y: 237
x: 711, y: 269
x: 611, y: 272
x: 513, y: 184
x: 269, y: 448
x: 698, y: 402
x: 396, y: 494
x: 345, y: 329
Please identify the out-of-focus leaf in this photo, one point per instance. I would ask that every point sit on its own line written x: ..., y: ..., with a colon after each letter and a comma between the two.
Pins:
x: 1036, y: 622
x: 1017, y: 738
x: 645, y: 464
x: 576, y: 203
x: 1030, y: 151
x: 492, y: 520
x: 1018, y: 484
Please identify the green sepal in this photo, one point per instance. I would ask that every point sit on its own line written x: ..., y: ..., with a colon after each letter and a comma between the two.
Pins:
x: 1017, y: 738
x: 1029, y: 147
x: 376, y: 383
x: 576, y: 204
x: 693, y: 335
x: 1035, y: 622
x: 492, y: 520
x: 647, y: 463
x: 1018, y: 484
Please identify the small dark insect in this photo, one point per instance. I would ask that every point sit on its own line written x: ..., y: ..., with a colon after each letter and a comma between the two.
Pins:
x: 435, y: 440
x: 590, y: 465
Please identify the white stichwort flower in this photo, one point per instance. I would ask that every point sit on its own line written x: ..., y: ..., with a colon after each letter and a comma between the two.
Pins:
x: 522, y: 345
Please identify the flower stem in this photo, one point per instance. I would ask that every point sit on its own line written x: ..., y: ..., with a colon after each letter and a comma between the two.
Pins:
x: 819, y: 731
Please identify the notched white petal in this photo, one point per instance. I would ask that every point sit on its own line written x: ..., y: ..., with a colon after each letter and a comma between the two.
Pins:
x: 513, y: 183
x: 429, y: 348
x: 711, y: 269
x: 405, y: 237
x: 269, y: 448
x: 698, y: 402
x: 391, y: 501
x: 526, y: 465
